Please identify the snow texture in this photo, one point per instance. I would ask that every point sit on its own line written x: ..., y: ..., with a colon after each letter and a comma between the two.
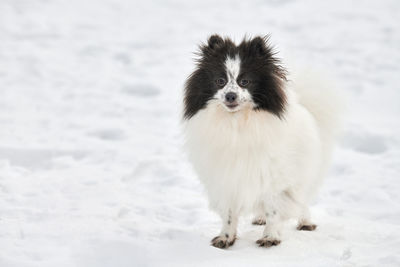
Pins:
x: 91, y: 167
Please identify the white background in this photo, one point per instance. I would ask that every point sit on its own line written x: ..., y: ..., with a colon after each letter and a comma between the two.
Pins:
x: 91, y: 167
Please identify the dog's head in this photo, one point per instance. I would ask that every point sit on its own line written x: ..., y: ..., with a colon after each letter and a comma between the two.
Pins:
x: 236, y: 77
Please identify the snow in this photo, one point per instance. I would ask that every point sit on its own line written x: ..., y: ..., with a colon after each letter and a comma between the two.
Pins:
x: 91, y: 167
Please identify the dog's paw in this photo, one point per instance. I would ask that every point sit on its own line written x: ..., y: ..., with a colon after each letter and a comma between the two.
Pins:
x: 223, y: 241
x: 268, y: 242
x: 258, y: 221
x: 306, y: 227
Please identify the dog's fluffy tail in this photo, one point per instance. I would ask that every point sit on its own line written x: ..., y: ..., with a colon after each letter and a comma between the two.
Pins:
x: 319, y: 96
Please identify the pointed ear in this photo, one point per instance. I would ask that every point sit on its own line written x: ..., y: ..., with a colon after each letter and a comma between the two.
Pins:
x: 215, y: 41
x: 258, y: 46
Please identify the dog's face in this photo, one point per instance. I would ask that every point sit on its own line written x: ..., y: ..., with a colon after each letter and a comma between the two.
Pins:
x: 236, y: 77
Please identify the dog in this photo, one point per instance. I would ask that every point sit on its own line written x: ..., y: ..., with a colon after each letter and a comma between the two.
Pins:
x: 260, y: 143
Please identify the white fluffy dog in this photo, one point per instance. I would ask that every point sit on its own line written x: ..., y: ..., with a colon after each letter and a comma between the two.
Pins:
x: 258, y: 142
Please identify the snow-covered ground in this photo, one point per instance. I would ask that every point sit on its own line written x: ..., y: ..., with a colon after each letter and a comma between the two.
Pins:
x: 91, y: 167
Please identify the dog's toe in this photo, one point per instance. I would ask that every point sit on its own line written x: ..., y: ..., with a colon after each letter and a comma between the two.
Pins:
x: 267, y: 242
x: 258, y: 221
x: 306, y: 227
x: 222, y: 241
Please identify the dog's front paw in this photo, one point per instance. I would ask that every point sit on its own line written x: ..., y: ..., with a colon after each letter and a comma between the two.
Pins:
x: 268, y: 242
x: 223, y: 241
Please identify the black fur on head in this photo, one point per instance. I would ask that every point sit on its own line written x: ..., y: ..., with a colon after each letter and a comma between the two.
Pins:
x: 258, y: 65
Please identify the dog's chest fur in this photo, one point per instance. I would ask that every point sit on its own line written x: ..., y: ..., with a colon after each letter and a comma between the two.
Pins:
x: 237, y: 155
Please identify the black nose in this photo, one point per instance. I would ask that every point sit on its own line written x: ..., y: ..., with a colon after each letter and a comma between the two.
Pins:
x: 230, y: 97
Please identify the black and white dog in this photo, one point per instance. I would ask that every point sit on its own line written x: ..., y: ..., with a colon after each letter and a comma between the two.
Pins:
x: 258, y: 142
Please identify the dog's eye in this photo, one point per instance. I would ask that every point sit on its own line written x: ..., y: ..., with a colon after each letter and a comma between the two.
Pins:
x: 220, y: 82
x: 244, y: 82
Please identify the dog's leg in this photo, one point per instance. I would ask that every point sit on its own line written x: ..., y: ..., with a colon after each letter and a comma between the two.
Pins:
x: 302, y: 211
x: 227, y: 236
x: 305, y: 223
x: 260, y: 217
x: 273, y: 226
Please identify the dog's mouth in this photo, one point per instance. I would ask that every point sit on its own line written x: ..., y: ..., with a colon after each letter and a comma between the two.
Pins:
x: 231, y: 106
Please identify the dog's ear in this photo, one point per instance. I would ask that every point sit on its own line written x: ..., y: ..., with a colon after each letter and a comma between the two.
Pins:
x: 215, y: 41
x: 259, y: 46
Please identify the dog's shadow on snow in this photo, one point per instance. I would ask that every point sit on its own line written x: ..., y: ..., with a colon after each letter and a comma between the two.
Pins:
x: 192, y: 248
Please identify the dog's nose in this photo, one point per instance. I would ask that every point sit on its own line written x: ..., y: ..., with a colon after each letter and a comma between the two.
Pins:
x: 230, y: 97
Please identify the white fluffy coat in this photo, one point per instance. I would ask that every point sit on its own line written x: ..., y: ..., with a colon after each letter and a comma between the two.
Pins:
x: 253, y: 161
